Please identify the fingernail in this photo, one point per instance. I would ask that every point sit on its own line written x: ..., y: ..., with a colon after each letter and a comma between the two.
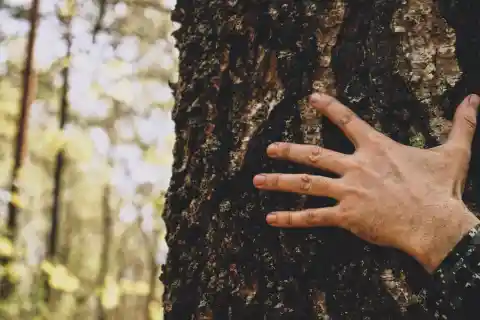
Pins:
x: 474, y: 100
x: 271, y: 218
x: 259, y: 180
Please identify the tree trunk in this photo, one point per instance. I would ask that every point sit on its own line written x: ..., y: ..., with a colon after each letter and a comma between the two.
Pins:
x: 246, y: 69
x: 28, y: 95
x: 52, y: 239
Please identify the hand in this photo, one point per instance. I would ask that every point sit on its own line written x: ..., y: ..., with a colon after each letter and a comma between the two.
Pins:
x: 388, y: 193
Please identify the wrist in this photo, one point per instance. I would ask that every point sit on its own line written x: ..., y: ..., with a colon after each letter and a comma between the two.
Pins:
x: 451, y: 224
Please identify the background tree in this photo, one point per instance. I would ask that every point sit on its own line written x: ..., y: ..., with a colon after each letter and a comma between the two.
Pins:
x: 246, y: 68
x: 28, y: 94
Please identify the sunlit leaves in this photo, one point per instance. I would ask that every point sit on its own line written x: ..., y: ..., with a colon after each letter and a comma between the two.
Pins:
x: 16, y: 50
x: 169, y: 4
x: 135, y: 288
x: 162, y: 252
x: 31, y: 191
x: 155, y: 310
x: 78, y: 145
x: 112, y: 290
x: 121, y: 91
x: 6, y: 247
x: 60, y: 278
x: 154, y: 156
x: 16, y: 200
x: 50, y: 141
x: 9, y: 93
x: 110, y: 294
x: 75, y: 142
x: 67, y: 8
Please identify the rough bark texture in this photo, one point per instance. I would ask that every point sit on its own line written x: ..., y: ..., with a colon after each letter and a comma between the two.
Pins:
x: 246, y: 70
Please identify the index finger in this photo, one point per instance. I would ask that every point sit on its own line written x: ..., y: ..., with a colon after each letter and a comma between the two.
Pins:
x: 354, y: 128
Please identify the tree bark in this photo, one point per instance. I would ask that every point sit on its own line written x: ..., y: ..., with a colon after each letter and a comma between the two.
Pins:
x: 246, y: 69
x: 28, y: 95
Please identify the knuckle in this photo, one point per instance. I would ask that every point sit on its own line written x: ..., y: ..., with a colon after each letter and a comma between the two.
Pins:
x: 284, y: 149
x: 282, y: 218
x: 310, y: 217
x: 344, y: 216
x: 465, y: 152
x: 315, y: 154
x: 471, y: 121
x: 356, y: 164
x: 305, y: 182
x: 359, y: 193
x: 375, y: 137
x: 346, y: 118
x: 458, y: 151
x: 328, y: 102
x: 290, y: 218
x: 274, y: 180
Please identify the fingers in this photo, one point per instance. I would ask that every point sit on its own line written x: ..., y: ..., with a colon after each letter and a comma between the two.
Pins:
x: 464, y: 123
x: 322, y: 217
x: 300, y: 183
x: 354, y: 128
x: 310, y: 155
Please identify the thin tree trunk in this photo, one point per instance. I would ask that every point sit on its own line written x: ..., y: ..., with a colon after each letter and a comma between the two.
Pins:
x: 28, y: 95
x: 102, y: 10
x: 150, y: 245
x: 106, y: 246
x: 107, y: 219
x: 152, y: 288
x: 246, y: 69
x: 52, y: 240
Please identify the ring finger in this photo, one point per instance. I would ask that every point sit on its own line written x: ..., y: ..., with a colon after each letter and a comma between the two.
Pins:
x: 301, y: 183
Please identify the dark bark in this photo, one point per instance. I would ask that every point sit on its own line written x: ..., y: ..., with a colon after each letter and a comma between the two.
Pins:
x: 246, y: 68
x: 102, y: 10
x: 28, y: 95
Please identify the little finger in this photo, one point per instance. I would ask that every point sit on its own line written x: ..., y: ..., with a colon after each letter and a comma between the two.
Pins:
x: 321, y: 217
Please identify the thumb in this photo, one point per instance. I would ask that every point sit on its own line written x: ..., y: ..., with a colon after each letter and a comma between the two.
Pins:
x: 464, y: 123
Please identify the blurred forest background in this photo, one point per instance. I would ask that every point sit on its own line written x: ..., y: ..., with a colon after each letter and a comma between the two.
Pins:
x: 86, y: 139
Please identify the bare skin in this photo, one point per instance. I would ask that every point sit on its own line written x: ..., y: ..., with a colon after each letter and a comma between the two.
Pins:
x: 388, y: 194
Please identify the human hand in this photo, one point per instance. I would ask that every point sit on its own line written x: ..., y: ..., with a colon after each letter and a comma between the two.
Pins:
x: 388, y: 193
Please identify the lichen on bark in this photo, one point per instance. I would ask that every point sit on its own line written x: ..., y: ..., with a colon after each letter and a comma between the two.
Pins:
x: 246, y: 68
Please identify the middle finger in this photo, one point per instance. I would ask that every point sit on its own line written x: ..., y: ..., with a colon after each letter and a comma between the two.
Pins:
x: 310, y: 155
x: 301, y: 183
